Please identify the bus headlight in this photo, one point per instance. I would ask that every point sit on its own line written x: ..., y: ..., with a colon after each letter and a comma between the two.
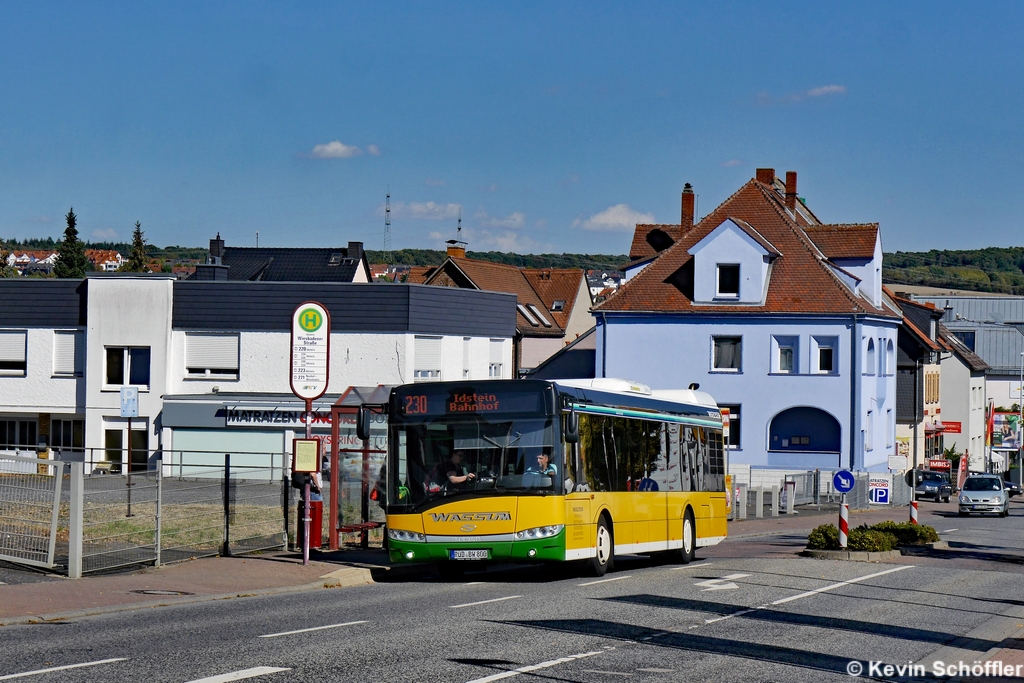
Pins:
x: 399, y: 535
x: 540, y: 532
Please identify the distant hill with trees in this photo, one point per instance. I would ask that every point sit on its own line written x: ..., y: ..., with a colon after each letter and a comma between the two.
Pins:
x: 435, y: 257
x: 993, y: 269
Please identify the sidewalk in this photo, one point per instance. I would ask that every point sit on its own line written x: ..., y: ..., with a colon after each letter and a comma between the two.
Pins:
x: 281, y: 572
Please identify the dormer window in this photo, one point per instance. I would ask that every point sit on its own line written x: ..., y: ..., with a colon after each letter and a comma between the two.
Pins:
x: 559, y: 305
x: 728, y: 280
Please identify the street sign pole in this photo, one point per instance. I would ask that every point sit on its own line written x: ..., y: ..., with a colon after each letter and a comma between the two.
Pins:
x: 843, y: 481
x: 309, y: 376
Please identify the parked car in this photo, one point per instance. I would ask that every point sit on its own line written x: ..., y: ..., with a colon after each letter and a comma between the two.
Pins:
x: 984, y: 493
x: 933, y: 485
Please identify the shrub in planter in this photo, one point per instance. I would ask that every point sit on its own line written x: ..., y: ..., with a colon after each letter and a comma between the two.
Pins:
x: 824, y: 537
x: 871, y: 540
x: 907, y: 533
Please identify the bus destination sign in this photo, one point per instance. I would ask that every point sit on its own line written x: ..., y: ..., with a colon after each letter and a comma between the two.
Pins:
x: 311, y: 350
x: 467, y: 401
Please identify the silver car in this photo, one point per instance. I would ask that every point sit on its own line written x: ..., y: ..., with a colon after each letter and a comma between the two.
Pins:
x: 984, y: 493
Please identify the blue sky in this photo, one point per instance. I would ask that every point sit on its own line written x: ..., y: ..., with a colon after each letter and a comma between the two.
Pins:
x: 551, y: 126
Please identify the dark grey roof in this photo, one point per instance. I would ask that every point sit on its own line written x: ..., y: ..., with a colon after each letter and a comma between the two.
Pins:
x: 235, y: 306
x: 36, y: 302
x: 970, y: 358
x: 273, y: 264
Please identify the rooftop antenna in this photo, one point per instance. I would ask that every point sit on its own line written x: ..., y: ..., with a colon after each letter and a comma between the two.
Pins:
x: 458, y: 230
x: 257, y: 239
x: 387, y: 227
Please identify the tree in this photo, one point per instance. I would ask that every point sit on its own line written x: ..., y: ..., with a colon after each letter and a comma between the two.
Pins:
x: 137, y: 260
x: 5, y: 269
x: 71, y: 260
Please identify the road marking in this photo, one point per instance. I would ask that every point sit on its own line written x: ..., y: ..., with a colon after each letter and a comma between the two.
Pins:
x: 692, y: 566
x: 614, y: 578
x: 307, y: 630
x: 605, y: 673
x: 948, y: 531
x: 241, y: 675
x: 61, y: 668
x: 484, y: 602
x: 722, y: 584
x: 730, y: 616
x: 475, y: 583
x: 840, y: 585
x: 537, y: 667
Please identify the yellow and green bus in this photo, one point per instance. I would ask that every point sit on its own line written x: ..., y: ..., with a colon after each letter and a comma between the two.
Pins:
x: 562, y: 470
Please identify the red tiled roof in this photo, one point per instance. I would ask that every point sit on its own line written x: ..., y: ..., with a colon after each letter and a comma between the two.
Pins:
x: 650, y: 239
x: 499, y: 277
x: 418, y: 274
x: 800, y: 281
x: 556, y: 284
x: 844, y: 241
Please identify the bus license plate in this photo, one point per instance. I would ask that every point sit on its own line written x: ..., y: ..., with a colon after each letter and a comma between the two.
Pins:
x: 467, y: 554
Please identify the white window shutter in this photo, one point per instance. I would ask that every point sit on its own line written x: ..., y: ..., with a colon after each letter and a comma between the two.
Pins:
x: 497, y: 351
x: 12, y: 346
x: 64, y: 352
x: 428, y: 357
x: 211, y: 352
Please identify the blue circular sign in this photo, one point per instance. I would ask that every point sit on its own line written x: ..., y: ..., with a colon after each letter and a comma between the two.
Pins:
x: 843, y: 481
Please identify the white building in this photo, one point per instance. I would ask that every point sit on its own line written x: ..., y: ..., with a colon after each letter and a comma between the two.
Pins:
x: 197, y: 350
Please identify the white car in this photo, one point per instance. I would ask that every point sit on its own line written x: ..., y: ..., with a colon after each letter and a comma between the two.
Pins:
x: 984, y: 493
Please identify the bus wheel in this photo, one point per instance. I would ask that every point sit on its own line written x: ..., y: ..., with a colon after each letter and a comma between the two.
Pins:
x: 689, y: 550
x: 605, y: 555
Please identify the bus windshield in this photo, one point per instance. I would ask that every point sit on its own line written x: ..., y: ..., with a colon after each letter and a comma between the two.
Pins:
x: 472, y: 455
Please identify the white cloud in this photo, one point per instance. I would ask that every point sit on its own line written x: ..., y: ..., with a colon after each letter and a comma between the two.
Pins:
x: 105, y: 234
x: 731, y: 163
x: 615, y: 218
x: 430, y: 211
x: 827, y: 90
x: 373, y: 150
x: 335, y: 150
x: 489, y: 189
x: 434, y: 182
x: 514, y: 220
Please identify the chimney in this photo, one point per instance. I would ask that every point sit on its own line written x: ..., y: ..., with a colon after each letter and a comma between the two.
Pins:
x: 766, y: 176
x: 216, y: 249
x: 686, y: 220
x: 791, y: 190
x: 456, y: 249
x: 355, y: 250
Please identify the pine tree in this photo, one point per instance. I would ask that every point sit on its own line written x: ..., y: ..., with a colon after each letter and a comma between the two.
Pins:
x: 137, y: 260
x: 5, y: 269
x: 71, y: 260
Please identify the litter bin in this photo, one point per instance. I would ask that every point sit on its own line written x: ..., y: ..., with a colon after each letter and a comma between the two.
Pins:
x: 316, y: 523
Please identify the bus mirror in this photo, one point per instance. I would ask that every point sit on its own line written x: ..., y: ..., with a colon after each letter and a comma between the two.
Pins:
x: 572, y: 427
x: 363, y: 423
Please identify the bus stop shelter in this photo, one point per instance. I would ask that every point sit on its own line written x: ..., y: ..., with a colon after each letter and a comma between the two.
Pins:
x: 345, y: 444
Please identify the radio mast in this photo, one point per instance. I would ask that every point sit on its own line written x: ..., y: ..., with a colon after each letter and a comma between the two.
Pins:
x: 387, y: 227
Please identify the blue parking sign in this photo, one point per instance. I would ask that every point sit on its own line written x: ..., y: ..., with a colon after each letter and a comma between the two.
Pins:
x: 880, y: 496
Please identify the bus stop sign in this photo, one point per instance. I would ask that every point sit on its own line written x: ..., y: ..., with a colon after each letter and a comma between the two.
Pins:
x: 843, y: 481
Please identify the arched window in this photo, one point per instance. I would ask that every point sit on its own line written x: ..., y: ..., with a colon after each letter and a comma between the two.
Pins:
x: 869, y: 359
x: 890, y: 358
x: 804, y: 429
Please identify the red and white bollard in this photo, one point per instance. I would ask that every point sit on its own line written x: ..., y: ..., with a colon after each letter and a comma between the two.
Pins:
x: 913, y: 512
x: 844, y: 522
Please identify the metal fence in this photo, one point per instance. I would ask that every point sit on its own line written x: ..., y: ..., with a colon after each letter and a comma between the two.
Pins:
x: 30, y: 497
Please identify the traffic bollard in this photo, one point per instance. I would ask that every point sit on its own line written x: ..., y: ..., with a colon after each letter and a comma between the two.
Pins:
x: 913, y: 512
x: 844, y: 523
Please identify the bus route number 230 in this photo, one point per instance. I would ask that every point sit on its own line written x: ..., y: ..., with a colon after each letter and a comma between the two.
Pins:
x: 415, y: 405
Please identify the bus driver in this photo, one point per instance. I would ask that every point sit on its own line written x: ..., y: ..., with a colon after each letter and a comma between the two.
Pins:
x: 542, y: 466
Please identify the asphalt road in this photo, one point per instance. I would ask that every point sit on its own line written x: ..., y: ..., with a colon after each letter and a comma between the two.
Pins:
x: 740, y: 614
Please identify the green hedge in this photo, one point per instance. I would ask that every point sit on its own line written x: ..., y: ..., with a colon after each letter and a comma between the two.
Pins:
x: 878, y: 538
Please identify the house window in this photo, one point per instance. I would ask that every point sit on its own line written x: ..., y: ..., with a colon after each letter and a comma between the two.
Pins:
x: 17, y: 434
x: 727, y: 355
x: 67, y: 435
x: 823, y: 355
x: 211, y: 356
x: 931, y: 388
x: 966, y: 336
x: 131, y: 362
x: 428, y: 359
x: 884, y: 357
x: 735, y: 441
x: 869, y: 432
x: 494, y: 370
x: 890, y: 428
x: 68, y: 353
x: 728, y: 280
x: 558, y: 305
x: 804, y: 429
x: 13, y: 356
x: 496, y: 357
x: 869, y: 358
x: 465, y: 356
x: 785, y: 350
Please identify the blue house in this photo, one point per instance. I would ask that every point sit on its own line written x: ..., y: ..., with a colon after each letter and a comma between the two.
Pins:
x: 778, y: 316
